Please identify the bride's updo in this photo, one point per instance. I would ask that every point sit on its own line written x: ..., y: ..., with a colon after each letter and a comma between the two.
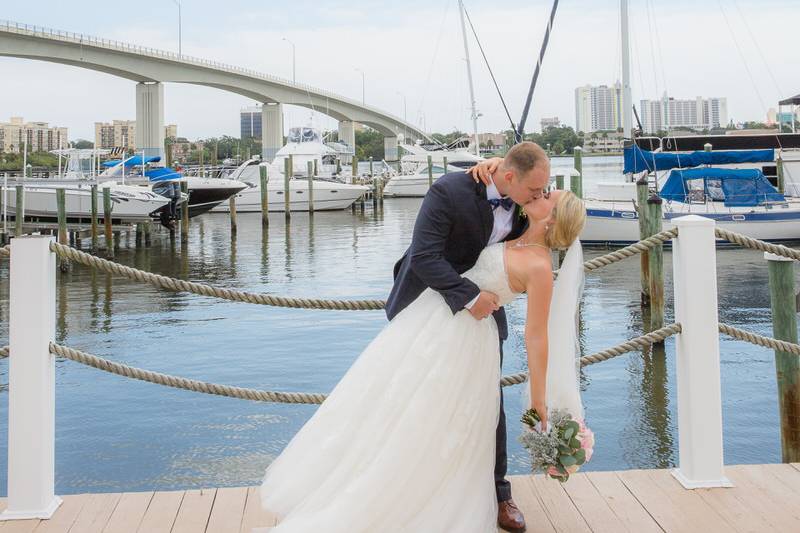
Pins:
x: 567, y: 220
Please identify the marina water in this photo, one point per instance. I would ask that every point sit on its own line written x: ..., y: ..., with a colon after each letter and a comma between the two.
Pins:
x: 114, y: 434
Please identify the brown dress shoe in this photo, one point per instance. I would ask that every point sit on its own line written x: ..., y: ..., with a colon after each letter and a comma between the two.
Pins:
x: 509, y: 517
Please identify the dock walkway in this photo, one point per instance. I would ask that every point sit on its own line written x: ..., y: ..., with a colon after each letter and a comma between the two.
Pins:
x: 764, y: 498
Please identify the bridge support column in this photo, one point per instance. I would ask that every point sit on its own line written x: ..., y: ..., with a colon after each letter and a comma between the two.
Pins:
x: 390, y: 149
x: 347, y: 135
x: 271, y: 130
x: 150, y: 120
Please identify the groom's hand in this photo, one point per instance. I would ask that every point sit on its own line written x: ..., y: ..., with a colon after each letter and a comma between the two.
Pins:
x: 483, y: 171
x: 485, y: 305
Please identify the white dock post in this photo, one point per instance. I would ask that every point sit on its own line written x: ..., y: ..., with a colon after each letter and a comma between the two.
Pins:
x: 31, y: 395
x: 694, y: 260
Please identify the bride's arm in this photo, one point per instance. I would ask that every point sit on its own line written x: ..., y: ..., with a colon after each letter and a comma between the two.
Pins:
x: 539, y: 287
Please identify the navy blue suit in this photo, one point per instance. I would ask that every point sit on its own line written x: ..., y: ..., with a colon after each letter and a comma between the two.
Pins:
x: 452, y: 228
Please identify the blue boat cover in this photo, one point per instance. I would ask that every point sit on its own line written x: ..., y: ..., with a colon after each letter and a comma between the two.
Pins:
x: 134, y: 160
x: 638, y: 160
x: 736, y: 187
x: 162, y: 174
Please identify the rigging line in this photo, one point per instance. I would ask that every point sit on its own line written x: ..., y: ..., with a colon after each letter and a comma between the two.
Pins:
x: 433, y: 59
x: 486, y: 61
x: 652, y: 46
x: 760, y: 52
x: 521, y: 127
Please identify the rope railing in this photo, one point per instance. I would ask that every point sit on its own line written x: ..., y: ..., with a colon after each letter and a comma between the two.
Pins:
x: 257, y: 395
x: 637, y: 343
x: 630, y: 250
x: 5, y: 251
x: 173, y: 284
x: 759, y: 340
x: 756, y: 244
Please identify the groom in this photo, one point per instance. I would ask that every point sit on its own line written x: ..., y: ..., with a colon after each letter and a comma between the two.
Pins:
x: 459, y: 218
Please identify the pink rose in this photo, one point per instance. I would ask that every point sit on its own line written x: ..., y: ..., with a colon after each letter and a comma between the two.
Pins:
x: 572, y: 469
x: 553, y: 472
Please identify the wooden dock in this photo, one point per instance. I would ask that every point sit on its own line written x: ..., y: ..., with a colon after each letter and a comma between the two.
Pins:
x: 764, y: 498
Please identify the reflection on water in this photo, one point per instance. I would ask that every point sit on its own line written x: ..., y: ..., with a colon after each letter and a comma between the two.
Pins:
x: 115, y: 434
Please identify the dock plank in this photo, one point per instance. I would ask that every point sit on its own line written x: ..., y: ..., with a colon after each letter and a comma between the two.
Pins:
x: 161, y: 513
x: 254, y: 514
x: 194, y: 511
x: 65, y: 515
x: 528, y: 502
x: 228, y: 510
x: 557, y: 505
x: 591, y: 505
x: 129, y: 512
x: 766, y: 486
x: 785, y: 474
x: 95, y: 513
x: 623, y: 503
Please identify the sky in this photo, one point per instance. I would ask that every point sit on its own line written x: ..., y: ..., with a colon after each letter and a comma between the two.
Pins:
x: 412, y: 57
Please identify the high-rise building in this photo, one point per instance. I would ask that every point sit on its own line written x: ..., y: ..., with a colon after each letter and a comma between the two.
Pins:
x: 697, y: 114
x: 250, y: 118
x: 598, y: 108
x: 122, y: 133
x: 39, y: 136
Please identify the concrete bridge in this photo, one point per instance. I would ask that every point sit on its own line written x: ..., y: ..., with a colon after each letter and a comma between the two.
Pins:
x: 150, y: 68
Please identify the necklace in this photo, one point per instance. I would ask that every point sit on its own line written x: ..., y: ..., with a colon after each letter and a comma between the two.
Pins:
x: 520, y: 244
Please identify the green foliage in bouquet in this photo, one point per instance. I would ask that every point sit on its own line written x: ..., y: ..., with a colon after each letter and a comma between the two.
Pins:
x: 557, y: 451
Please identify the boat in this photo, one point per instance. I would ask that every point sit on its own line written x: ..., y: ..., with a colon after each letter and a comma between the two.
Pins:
x: 740, y: 200
x: 204, y: 193
x: 304, y: 146
x: 329, y: 194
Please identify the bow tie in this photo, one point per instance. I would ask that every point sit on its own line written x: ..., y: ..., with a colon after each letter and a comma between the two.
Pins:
x: 507, y: 203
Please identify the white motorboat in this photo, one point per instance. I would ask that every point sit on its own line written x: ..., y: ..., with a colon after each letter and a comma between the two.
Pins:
x: 128, y: 202
x: 328, y: 194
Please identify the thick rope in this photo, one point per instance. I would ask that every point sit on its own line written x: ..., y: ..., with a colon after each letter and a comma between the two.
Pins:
x: 4, y: 351
x: 637, y: 343
x: 749, y: 242
x: 5, y: 251
x: 630, y: 250
x: 766, y: 342
x: 183, y: 383
x: 173, y: 284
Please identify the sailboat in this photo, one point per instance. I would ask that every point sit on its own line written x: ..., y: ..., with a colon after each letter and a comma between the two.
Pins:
x: 727, y: 186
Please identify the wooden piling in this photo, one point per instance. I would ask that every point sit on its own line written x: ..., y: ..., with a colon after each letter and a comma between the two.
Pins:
x: 287, y: 174
x: 787, y: 366
x: 232, y: 207
x: 430, y: 171
x: 61, y: 208
x: 642, y: 194
x: 576, y: 182
x: 147, y: 229
x: 94, y: 218
x: 444, y: 165
x: 779, y: 167
x: 107, y: 222
x: 185, y: 213
x: 370, y: 167
x: 19, y: 210
x: 310, y: 188
x: 560, y: 182
x: 262, y: 172
x: 139, y: 234
x: 655, y: 264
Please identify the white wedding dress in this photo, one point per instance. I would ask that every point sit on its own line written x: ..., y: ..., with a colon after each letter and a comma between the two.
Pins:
x: 406, y: 440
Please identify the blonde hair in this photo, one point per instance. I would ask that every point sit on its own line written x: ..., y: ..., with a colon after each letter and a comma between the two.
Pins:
x: 524, y: 156
x: 570, y: 216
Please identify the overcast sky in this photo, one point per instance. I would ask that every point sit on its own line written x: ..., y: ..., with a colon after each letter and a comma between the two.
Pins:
x: 745, y: 50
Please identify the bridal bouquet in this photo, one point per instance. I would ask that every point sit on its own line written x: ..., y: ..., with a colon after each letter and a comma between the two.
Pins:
x: 562, y: 449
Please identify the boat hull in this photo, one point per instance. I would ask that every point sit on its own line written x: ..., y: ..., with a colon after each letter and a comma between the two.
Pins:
x: 328, y: 196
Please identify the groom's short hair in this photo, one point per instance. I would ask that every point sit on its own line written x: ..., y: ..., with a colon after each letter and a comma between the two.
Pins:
x: 524, y: 157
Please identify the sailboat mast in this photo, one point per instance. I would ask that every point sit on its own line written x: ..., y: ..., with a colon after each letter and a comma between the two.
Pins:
x: 627, y: 119
x: 469, y: 77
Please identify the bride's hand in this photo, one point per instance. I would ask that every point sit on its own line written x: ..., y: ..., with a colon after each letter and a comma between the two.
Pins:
x: 483, y: 171
x: 541, y: 409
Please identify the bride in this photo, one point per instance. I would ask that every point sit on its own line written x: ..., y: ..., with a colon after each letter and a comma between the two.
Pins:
x: 406, y: 440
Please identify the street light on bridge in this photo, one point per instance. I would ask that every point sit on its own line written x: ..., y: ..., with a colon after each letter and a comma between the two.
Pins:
x: 363, y: 83
x: 178, y: 3
x: 294, y: 71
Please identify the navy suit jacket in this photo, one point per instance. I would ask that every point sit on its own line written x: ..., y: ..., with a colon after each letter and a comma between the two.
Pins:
x: 452, y: 228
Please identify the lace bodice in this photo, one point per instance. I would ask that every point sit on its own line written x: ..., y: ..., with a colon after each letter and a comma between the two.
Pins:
x: 489, y: 273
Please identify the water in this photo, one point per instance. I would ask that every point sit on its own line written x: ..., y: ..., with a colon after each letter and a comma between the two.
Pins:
x: 115, y: 434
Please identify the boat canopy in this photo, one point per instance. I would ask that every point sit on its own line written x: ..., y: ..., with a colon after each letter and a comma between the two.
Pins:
x: 163, y: 174
x: 135, y: 160
x: 736, y: 187
x: 638, y: 160
x: 794, y: 100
